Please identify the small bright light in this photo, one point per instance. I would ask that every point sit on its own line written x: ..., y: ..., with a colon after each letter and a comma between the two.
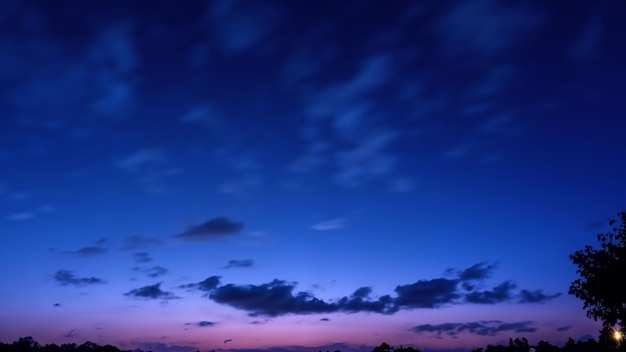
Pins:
x: 617, y: 335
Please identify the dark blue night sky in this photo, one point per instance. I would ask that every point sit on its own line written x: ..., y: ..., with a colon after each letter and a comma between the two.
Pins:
x: 305, y: 174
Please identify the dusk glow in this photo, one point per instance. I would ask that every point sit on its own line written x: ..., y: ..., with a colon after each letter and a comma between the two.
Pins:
x: 311, y: 175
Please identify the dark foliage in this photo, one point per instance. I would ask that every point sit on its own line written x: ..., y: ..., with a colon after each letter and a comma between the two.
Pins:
x: 28, y: 344
x: 601, y: 271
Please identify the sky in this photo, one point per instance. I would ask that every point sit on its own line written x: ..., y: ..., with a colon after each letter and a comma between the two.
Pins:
x: 304, y: 175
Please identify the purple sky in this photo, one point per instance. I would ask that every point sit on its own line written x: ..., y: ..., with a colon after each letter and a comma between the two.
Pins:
x: 305, y: 174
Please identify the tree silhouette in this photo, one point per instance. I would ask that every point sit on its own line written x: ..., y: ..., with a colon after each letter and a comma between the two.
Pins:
x: 28, y: 344
x: 601, y: 271
x: 384, y: 347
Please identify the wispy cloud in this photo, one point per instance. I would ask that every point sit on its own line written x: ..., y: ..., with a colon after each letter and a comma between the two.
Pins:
x: 359, y: 146
x: 97, y: 248
x: 114, y: 45
x: 139, y: 159
x: 138, y: 242
x: 367, y: 161
x: 486, y: 27
x: 588, y: 42
x: 66, y: 277
x: 401, y: 185
x: 333, y: 224
x: 239, y: 27
x: 153, y: 271
x: 207, y: 116
x: 21, y: 216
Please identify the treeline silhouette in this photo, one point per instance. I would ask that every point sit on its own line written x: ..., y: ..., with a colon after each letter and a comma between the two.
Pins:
x: 28, y: 344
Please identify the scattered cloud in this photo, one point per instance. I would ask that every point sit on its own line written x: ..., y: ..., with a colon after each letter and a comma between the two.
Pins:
x: 272, y: 299
x: 500, y: 293
x: 536, y: 296
x: 154, y: 271
x: 478, y: 272
x: 142, y: 257
x: 279, y: 297
x: 564, y: 328
x: 207, y: 285
x: 245, y: 263
x: 482, y: 328
x: 362, y: 292
x: 66, y: 277
x: 359, y: 301
x: 333, y: 224
x: 217, y: 227
x: 151, y: 292
x: 87, y: 251
x: 138, y: 242
x: 427, y: 293
x: 324, y: 319
x: 205, y: 323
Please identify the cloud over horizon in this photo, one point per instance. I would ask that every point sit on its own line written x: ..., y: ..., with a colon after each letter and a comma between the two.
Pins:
x: 278, y: 297
x: 481, y: 328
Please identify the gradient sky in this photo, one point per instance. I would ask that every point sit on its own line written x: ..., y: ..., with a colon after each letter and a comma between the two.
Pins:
x: 305, y: 173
